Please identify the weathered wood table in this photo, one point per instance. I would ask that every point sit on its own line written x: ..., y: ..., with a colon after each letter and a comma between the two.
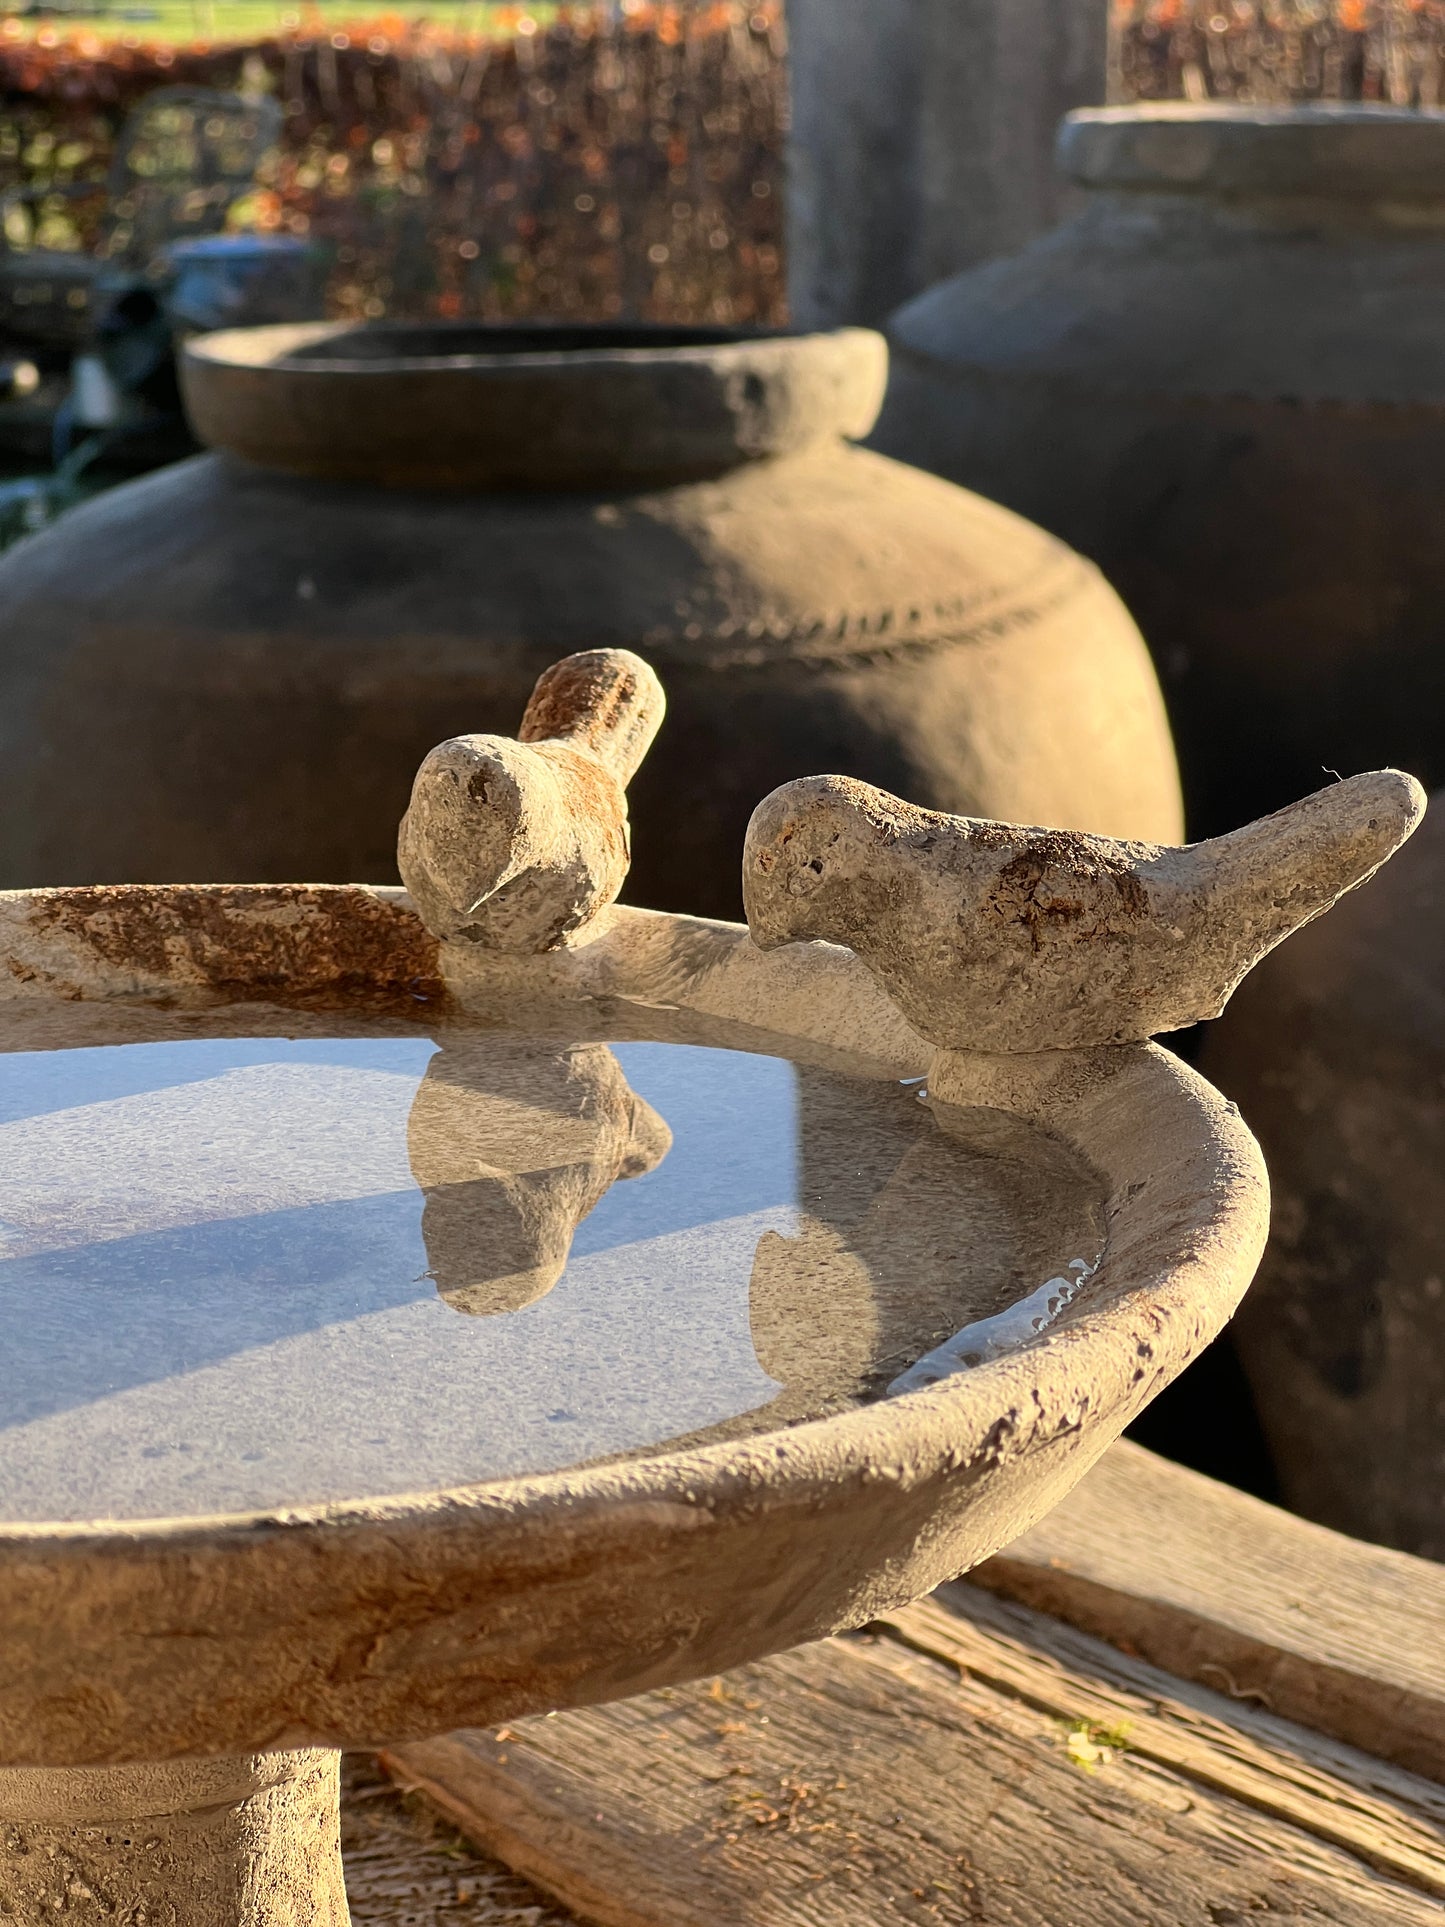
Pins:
x: 1262, y: 1738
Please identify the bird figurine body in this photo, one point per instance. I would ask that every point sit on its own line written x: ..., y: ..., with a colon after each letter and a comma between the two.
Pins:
x: 516, y: 845
x: 994, y: 937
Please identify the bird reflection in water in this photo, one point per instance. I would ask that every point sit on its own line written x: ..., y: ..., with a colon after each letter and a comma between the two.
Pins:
x: 240, y: 1269
x: 513, y: 1145
x: 918, y: 1219
x: 908, y: 1222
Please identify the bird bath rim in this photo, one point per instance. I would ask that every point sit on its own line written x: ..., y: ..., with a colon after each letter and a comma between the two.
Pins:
x: 370, y: 1622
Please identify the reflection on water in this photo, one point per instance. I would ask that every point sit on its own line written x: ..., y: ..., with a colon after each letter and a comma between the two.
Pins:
x: 246, y: 1272
x: 513, y: 1146
x: 1006, y: 1331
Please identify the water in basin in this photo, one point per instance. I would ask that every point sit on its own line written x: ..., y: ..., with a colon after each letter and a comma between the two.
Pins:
x: 248, y: 1271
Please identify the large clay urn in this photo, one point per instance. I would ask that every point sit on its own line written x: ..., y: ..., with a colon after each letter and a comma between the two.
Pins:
x: 230, y: 669
x: 1224, y: 380
x: 1337, y: 1049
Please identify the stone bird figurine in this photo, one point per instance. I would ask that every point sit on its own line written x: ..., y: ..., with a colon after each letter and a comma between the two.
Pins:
x: 516, y: 844
x: 992, y: 937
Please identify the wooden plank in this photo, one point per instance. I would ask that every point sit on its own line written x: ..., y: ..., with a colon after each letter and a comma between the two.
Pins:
x: 1218, y: 1587
x: 1391, y: 1819
x: 971, y: 1764
x: 408, y: 1867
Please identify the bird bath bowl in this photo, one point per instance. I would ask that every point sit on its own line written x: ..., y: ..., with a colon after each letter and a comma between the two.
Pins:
x: 409, y: 1332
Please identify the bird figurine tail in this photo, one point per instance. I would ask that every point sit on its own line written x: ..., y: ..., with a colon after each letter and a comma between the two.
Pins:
x: 990, y: 936
x: 1275, y: 875
x: 517, y: 844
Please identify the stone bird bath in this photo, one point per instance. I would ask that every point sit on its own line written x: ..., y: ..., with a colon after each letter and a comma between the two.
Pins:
x: 414, y: 1321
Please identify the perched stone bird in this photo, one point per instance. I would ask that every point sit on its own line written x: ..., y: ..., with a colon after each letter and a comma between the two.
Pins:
x: 998, y: 938
x: 516, y: 844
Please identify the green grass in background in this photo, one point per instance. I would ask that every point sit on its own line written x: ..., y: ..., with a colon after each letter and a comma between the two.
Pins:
x: 182, y: 21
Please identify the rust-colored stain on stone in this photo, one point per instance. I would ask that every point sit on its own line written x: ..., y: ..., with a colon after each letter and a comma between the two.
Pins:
x: 293, y: 942
x: 606, y: 700
x: 1029, y: 889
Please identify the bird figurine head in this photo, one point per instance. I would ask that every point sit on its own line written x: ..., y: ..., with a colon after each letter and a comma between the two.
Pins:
x: 518, y: 844
x: 995, y: 937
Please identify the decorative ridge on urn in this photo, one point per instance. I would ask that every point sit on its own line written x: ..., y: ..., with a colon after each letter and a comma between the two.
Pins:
x: 518, y: 844
x: 994, y: 937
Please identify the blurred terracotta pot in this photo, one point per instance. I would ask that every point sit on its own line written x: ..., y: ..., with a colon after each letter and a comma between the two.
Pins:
x: 1335, y: 1050
x: 230, y: 669
x: 1224, y: 380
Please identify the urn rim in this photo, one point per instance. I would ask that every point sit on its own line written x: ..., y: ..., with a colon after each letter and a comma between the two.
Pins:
x: 1335, y: 150
x: 563, y: 406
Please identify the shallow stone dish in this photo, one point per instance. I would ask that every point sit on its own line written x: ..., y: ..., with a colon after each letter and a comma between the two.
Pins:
x: 371, y: 1623
x: 233, y: 1648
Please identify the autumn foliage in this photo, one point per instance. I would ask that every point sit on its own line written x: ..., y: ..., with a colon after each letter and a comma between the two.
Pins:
x: 597, y: 165
x: 1280, y: 50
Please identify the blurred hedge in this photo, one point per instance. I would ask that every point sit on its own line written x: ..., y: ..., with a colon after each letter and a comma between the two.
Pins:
x: 1280, y: 50
x: 600, y: 165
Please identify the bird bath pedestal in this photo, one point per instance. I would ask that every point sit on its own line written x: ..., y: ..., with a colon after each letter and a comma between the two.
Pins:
x: 418, y: 1326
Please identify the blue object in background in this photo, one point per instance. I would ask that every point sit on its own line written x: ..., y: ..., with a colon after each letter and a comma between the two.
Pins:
x: 244, y: 281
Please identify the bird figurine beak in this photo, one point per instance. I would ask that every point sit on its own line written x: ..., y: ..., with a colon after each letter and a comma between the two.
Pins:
x: 994, y: 937
x: 516, y: 845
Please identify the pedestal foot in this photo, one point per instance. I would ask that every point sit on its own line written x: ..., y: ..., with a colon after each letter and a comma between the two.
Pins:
x: 246, y: 1842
